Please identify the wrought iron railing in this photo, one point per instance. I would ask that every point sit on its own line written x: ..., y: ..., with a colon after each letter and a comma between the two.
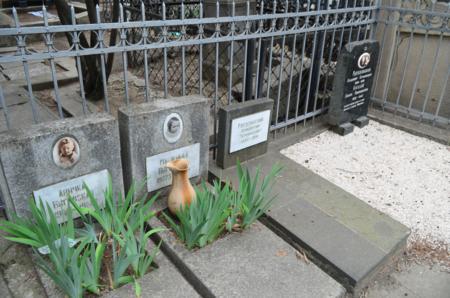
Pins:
x: 414, y: 68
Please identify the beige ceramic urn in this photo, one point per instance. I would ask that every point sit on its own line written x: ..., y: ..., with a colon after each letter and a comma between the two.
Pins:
x: 182, y: 192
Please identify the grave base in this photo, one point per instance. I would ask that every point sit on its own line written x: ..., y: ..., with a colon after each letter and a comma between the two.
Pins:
x: 361, y: 121
x: 343, y: 129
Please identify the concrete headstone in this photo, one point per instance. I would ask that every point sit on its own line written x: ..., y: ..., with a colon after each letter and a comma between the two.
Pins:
x: 51, y: 161
x: 155, y: 133
x: 243, y: 131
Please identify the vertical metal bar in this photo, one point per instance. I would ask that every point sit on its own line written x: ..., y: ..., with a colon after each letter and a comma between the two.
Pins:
x: 419, y: 68
x: 76, y: 42
x: 369, y: 17
x: 391, y: 68
x: 330, y: 55
x: 341, y: 39
x: 375, y: 15
x: 230, y: 78
x: 249, y: 69
x: 247, y: 30
x: 200, y: 53
x: 299, y: 88
x: 308, y: 90
x: 382, y: 51
x: 433, y: 70
x: 291, y: 70
x: 360, y: 18
x: 280, y: 73
x: 144, y: 39
x: 21, y: 47
x: 102, y: 60
x: 261, y: 57
x: 216, y: 79
x: 405, y: 66
x: 4, y: 108
x: 183, y: 53
x: 272, y: 28
x: 441, y: 98
x: 352, y: 20
x: 320, y: 60
x: 262, y: 68
x: 49, y: 42
x: 123, y: 42
x: 165, y: 49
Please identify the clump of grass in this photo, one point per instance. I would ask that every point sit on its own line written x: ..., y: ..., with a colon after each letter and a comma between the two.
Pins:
x: 221, y: 207
x: 202, y: 221
x: 78, y: 258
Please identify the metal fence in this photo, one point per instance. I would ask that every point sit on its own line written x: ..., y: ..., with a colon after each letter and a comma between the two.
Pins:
x: 414, y: 68
x: 231, y: 52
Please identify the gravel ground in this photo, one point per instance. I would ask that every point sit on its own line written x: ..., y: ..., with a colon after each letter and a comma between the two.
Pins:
x: 405, y: 176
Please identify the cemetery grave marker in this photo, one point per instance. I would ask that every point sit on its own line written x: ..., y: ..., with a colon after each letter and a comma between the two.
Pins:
x: 152, y: 134
x: 243, y: 131
x: 50, y: 161
x: 352, y: 85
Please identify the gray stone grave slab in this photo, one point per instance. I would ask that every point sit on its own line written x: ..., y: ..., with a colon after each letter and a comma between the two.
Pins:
x: 243, y: 131
x: 163, y: 282
x: 154, y: 133
x: 21, y: 115
x: 34, y: 160
x: 343, y: 235
x: 352, y: 85
x: 254, y: 263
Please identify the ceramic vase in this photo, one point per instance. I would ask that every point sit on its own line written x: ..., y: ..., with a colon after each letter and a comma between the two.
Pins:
x: 182, y: 192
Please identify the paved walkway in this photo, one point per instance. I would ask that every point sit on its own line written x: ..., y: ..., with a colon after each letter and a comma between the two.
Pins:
x: 413, y: 281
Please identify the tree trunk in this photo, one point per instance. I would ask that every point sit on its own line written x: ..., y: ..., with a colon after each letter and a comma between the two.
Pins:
x: 90, y: 65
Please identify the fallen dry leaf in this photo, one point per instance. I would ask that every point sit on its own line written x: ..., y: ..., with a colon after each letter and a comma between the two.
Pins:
x: 281, y: 253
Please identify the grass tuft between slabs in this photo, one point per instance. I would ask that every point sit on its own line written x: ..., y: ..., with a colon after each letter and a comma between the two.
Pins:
x: 220, y: 209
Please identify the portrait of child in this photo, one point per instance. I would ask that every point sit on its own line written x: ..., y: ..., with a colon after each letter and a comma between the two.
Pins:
x: 66, y: 152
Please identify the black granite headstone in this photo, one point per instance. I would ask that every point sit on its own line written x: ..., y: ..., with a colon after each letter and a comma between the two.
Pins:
x: 352, y: 85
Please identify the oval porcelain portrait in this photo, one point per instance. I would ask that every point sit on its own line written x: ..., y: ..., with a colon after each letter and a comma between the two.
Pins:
x: 66, y: 152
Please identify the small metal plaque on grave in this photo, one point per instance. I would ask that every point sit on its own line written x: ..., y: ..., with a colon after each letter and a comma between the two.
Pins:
x: 158, y: 176
x: 56, y: 196
x: 352, y: 85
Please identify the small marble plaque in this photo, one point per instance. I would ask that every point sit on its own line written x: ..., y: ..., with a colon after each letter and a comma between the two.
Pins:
x: 249, y: 130
x: 158, y: 176
x: 56, y: 195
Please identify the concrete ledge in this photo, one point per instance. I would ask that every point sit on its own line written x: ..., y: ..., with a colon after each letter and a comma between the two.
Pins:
x: 412, y: 126
x: 346, y: 237
x: 254, y: 263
